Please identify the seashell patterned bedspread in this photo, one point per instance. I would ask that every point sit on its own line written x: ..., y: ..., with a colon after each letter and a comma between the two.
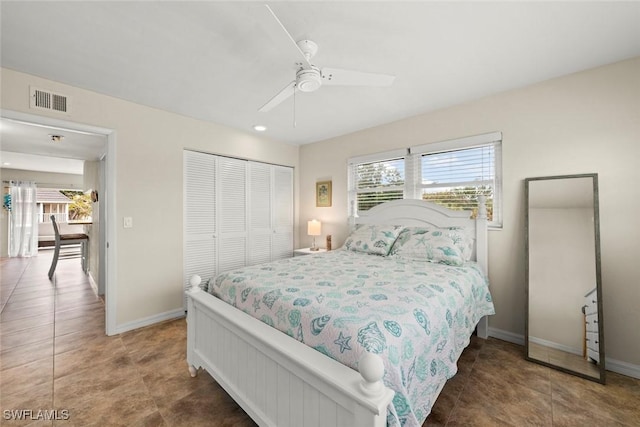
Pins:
x: 418, y: 316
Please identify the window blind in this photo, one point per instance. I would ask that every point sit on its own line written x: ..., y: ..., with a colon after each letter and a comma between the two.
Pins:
x: 455, y: 179
x: 451, y: 173
x: 454, y: 173
x: 378, y: 182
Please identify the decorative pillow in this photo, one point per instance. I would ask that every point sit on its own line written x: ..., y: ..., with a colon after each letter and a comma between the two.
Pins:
x: 463, y: 238
x: 450, y: 246
x: 373, y: 239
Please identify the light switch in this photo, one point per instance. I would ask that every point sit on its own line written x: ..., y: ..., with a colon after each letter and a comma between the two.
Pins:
x: 128, y: 222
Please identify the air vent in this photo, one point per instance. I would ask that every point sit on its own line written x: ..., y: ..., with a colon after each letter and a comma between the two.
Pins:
x: 47, y: 100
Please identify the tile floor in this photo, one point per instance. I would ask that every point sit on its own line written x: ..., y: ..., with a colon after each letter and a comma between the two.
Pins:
x: 55, y: 356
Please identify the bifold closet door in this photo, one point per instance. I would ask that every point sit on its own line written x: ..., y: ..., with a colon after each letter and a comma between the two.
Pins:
x: 282, y: 244
x: 200, y: 231
x: 236, y: 213
x: 232, y: 213
x: 270, y: 212
x: 260, y: 217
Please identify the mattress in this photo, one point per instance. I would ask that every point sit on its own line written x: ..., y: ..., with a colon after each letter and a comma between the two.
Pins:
x: 417, y: 315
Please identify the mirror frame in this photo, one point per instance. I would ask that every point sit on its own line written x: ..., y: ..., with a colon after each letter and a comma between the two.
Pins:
x: 596, y: 221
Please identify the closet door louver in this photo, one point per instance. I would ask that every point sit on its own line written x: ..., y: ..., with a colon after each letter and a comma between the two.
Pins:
x: 282, y: 246
x: 232, y: 208
x: 260, y: 184
x: 199, y: 216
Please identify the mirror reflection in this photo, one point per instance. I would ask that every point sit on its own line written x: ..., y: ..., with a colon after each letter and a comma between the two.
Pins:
x: 564, y: 303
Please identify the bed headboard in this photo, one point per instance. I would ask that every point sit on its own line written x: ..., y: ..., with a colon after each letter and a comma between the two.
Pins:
x: 411, y: 212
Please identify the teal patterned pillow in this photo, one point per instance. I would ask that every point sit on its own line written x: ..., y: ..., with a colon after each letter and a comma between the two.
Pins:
x: 373, y: 239
x: 463, y: 238
x: 450, y: 246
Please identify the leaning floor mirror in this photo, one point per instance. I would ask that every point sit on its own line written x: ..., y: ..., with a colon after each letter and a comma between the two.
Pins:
x: 564, y: 322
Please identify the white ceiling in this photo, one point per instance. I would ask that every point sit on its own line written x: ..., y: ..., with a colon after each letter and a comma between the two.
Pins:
x: 29, y: 146
x: 221, y: 61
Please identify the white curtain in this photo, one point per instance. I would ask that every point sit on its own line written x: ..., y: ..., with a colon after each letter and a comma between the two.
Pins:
x: 23, y: 219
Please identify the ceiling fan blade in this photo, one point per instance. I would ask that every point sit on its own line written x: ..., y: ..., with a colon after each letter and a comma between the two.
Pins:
x: 340, y: 77
x: 286, y: 92
x: 283, y: 34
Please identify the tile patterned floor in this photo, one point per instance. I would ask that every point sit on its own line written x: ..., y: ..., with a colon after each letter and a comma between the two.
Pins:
x: 55, y: 356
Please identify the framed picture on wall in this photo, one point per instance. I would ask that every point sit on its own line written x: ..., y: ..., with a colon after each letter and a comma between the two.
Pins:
x: 323, y: 194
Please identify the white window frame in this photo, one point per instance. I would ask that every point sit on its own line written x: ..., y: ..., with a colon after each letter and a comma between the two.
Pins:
x: 413, y: 168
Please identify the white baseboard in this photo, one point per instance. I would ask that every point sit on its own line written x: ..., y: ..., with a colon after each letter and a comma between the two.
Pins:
x: 506, y: 336
x: 167, y: 315
x: 93, y: 283
x: 613, y: 365
x: 623, y: 368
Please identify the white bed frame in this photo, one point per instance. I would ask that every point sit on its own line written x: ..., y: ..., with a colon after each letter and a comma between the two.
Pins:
x: 280, y: 381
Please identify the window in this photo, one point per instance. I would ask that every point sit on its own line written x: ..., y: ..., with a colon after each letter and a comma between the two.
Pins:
x: 450, y: 173
x: 376, y: 181
x: 65, y: 205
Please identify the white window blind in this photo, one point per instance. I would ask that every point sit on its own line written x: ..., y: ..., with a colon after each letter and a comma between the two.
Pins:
x: 454, y: 173
x: 450, y: 173
x: 375, y: 182
x: 455, y: 179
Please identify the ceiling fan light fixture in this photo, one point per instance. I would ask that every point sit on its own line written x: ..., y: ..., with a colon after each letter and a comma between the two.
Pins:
x: 308, y: 79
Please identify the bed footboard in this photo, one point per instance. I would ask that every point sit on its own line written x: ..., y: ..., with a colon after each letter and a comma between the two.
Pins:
x: 277, y: 380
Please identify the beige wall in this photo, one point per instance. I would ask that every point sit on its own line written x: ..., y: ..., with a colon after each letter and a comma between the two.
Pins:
x: 42, y: 179
x: 581, y: 123
x: 149, y: 145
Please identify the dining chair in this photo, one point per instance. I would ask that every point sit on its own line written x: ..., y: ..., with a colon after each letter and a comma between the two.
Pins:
x: 68, y: 240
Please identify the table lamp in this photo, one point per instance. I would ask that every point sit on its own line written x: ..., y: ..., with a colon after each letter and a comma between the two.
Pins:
x: 314, y: 228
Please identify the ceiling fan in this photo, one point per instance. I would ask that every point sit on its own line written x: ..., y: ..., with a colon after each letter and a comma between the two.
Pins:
x: 310, y: 77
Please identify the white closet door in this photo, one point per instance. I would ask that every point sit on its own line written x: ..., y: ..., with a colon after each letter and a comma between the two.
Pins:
x: 282, y: 244
x: 232, y: 209
x: 260, y: 218
x: 199, y: 216
x: 235, y: 213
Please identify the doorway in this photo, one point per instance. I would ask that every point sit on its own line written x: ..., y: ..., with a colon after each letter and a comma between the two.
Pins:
x: 105, y: 192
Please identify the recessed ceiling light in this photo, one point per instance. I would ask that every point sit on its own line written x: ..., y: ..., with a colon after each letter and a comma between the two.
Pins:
x: 260, y: 128
x: 6, y: 163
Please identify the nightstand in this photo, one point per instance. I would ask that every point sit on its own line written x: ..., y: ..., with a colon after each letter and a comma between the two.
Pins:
x: 308, y: 251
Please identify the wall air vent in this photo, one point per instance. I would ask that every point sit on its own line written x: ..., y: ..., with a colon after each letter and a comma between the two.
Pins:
x: 46, y: 100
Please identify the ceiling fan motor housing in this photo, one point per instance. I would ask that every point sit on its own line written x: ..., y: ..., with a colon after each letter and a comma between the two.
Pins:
x: 308, y: 79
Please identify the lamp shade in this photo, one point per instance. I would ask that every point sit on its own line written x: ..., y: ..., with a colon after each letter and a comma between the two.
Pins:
x: 314, y: 227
